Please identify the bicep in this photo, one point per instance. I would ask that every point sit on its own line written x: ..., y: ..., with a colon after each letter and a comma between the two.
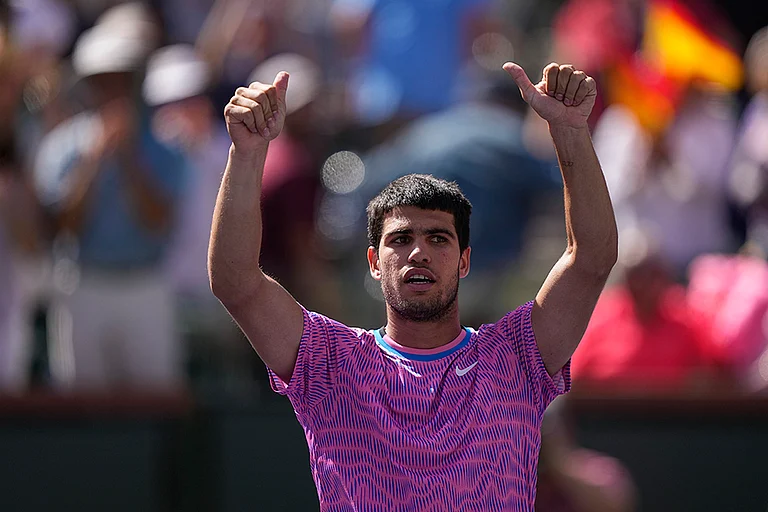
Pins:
x: 562, y: 310
x: 273, y: 322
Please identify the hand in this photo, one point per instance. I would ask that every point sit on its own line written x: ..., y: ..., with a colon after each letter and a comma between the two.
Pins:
x: 256, y: 114
x: 117, y: 128
x: 564, y: 96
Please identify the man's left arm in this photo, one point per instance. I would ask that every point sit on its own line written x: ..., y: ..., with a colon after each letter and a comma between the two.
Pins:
x: 562, y: 309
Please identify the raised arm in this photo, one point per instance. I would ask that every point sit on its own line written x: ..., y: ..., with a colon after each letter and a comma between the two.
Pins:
x: 564, y: 98
x: 268, y: 315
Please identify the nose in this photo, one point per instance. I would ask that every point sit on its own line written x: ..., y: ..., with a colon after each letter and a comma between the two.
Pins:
x: 418, y: 253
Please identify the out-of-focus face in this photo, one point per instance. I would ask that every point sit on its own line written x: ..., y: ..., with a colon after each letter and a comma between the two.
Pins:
x: 110, y: 86
x: 419, y: 263
x: 647, y: 283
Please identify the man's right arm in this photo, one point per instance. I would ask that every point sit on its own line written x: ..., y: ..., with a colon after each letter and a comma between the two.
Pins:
x: 268, y: 315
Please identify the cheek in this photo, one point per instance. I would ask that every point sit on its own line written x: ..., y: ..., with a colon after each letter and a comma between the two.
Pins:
x: 448, y: 261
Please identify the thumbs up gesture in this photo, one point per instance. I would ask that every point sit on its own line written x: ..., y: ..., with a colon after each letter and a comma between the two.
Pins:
x: 255, y: 115
x: 564, y: 97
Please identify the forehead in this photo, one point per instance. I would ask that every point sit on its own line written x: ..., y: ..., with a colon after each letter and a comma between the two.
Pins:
x: 413, y: 218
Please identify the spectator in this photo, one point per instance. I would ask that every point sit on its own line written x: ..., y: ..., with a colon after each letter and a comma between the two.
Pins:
x: 410, y: 53
x: 643, y: 335
x: 673, y: 185
x: 113, y: 188
x: 23, y: 236
x: 176, y: 86
x: 749, y: 165
x: 24, y: 230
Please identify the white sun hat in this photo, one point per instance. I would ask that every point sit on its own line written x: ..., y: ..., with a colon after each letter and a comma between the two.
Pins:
x: 175, y: 73
x: 305, y: 78
x: 131, y: 19
x: 99, y: 50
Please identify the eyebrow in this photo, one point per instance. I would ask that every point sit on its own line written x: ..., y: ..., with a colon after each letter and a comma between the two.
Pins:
x: 430, y: 231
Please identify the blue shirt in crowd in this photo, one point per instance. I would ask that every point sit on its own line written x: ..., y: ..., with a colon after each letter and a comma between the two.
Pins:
x: 415, y: 54
x: 112, y: 236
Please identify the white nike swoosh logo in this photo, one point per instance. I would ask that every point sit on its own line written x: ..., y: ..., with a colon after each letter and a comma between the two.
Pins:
x: 463, y: 371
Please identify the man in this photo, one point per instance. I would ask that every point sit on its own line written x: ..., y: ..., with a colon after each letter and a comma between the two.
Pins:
x: 480, y: 145
x: 423, y: 414
x: 113, y: 189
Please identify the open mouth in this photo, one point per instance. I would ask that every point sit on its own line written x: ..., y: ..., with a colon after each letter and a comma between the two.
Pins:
x: 419, y: 276
x: 419, y: 279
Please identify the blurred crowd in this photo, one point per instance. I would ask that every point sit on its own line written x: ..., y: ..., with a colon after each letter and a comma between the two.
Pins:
x: 112, y: 145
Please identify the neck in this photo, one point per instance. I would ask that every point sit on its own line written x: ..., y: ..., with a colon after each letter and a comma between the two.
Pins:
x: 423, y: 335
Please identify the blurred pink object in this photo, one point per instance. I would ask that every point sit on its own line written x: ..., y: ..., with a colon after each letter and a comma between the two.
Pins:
x: 592, y: 471
x: 730, y: 295
x: 595, y: 34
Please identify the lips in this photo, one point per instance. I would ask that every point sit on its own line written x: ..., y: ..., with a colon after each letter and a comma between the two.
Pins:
x: 419, y: 276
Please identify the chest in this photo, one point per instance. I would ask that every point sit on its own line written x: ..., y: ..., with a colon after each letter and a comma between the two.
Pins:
x: 457, y: 408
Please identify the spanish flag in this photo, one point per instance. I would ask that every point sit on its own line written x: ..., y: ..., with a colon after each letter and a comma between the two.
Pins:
x: 677, y: 50
x: 650, y: 95
x: 678, y: 44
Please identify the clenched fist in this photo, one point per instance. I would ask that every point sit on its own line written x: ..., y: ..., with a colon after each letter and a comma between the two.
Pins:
x: 564, y: 97
x: 255, y: 114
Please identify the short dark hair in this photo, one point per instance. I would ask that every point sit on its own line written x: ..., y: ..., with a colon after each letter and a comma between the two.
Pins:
x: 422, y: 191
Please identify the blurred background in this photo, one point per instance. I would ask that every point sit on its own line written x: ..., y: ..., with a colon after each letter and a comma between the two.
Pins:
x: 124, y: 385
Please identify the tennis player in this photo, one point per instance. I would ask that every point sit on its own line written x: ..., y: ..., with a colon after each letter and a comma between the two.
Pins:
x: 422, y: 414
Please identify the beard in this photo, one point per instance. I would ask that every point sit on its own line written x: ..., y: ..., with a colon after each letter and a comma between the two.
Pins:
x: 425, y: 310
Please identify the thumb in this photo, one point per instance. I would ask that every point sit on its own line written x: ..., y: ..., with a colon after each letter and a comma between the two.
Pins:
x: 527, y: 90
x: 281, y: 84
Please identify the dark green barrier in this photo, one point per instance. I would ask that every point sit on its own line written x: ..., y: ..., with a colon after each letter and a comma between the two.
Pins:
x: 143, y: 454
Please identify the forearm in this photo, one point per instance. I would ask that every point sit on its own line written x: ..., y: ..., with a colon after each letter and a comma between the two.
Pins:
x: 589, y: 218
x: 150, y: 203
x: 75, y: 203
x: 235, y: 244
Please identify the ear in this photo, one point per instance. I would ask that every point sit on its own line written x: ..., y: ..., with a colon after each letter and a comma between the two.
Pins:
x: 373, y: 263
x: 464, y: 263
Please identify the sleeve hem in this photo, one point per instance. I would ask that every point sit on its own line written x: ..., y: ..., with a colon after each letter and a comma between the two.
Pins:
x: 289, y: 388
x: 552, y: 385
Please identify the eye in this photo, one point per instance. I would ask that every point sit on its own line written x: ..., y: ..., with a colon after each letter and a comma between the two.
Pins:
x: 439, y: 239
x: 400, y: 240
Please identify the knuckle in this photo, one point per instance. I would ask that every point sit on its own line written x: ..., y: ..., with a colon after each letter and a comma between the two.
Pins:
x: 240, y: 91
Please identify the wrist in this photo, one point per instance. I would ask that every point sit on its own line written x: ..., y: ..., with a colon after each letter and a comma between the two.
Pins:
x: 252, y: 152
x: 248, y: 155
x: 556, y: 129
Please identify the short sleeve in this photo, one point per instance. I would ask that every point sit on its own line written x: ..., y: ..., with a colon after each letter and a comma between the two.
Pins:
x: 516, y: 327
x: 58, y: 154
x: 324, y: 345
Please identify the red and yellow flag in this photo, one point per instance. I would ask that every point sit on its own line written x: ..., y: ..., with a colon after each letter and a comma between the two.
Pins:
x: 681, y: 47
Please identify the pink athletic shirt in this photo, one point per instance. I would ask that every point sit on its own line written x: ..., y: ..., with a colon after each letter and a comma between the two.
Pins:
x: 401, y: 429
